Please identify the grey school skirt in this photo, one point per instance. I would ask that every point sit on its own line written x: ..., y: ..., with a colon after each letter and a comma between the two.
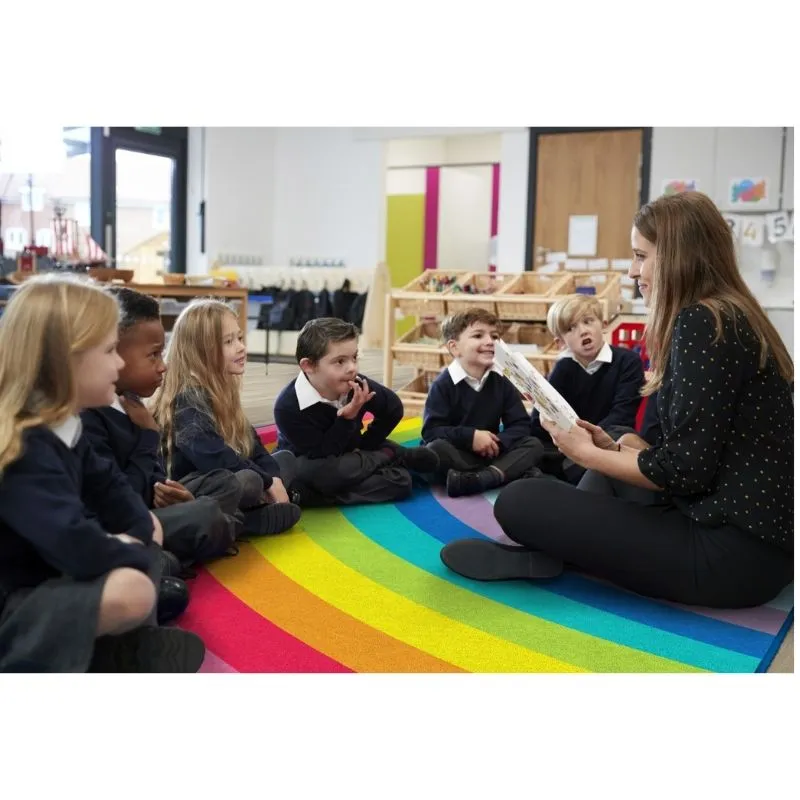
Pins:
x: 51, y: 627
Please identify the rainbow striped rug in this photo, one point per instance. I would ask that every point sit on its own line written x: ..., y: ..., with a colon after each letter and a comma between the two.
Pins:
x: 362, y: 589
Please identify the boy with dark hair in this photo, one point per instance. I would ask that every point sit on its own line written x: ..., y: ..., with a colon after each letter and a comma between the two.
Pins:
x: 465, y: 407
x: 199, y: 517
x: 320, y: 418
x: 602, y: 383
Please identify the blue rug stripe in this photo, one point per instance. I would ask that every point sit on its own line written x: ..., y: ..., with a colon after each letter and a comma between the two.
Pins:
x: 409, y: 540
x: 429, y: 515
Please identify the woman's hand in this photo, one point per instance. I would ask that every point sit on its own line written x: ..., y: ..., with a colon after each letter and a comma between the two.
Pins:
x: 576, y: 443
x: 600, y: 438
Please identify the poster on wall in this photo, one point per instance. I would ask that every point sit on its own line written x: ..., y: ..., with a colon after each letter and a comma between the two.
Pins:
x: 748, y: 192
x: 582, y: 235
x: 734, y: 222
x: 677, y: 185
x: 753, y: 231
x: 779, y: 227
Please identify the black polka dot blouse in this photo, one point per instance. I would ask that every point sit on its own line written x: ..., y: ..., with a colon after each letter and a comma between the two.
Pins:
x: 725, y: 454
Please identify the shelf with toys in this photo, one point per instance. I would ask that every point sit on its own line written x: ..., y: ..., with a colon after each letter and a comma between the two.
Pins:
x: 520, y: 300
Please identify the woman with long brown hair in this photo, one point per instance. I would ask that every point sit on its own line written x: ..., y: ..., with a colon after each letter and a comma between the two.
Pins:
x: 704, y: 516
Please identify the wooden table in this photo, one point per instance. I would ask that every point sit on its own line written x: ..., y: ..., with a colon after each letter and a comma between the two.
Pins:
x: 185, y: 291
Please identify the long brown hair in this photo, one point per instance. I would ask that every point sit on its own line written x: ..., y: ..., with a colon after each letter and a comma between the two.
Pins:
x: 48, y: 322
x: 196, y: 366
x: 696, y: 263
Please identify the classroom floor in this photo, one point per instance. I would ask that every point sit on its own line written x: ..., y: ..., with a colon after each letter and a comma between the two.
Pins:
x: 262, y: 385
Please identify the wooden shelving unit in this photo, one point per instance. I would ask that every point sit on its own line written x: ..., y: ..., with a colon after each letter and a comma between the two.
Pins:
x: 521, y: 302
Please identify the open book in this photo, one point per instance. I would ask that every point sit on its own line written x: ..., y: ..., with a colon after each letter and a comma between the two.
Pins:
x: 532, y: 384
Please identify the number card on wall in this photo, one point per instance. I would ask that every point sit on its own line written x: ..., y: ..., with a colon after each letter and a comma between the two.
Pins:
x: 753, y: 231
x: 779, y: 227
x: 734, y: 222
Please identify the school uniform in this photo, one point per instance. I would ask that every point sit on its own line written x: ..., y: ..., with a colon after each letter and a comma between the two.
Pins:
x: 606, y: 393
x: 58, y: 504
x: 337, y: 460
x: 196, y: 531
x: 458, y: 405
x: 198, y: 450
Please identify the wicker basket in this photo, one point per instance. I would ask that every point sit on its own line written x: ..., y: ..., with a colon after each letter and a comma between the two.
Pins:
x: 607, y: 289
x: 414, y: 393
x: 415, y: 299
x: 545, y: 359
x: 408, y: 349
x: 528, y: 296
x: 487, y: 284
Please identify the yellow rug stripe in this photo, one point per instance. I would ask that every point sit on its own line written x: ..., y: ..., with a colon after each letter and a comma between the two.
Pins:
x: 304, y: 562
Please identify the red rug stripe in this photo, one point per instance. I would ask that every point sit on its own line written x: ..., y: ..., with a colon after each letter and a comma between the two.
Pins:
x: 244, y: 639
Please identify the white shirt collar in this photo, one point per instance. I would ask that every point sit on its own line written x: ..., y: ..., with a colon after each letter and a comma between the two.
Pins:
x: 605, y: 356
x: 458, y: 374
x: 117, y: 406
x: 308, y: 396
x: 69, y: 431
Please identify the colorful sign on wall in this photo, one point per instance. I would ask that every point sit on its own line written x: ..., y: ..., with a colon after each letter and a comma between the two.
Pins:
x: 748, y: 191
x: 678, y: 185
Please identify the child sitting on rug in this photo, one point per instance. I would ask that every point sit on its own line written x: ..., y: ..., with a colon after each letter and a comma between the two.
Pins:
x: 602, y: 383
x: 465, y: 407
x: 320, y: 418
x: 199, y: 516
x: 203, y: 424
x: 78, y: 567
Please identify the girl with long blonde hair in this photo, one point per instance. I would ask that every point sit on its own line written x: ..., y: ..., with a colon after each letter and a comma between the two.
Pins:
x: 74, y: 584
x: 705, y: 515
x: 203, y: 424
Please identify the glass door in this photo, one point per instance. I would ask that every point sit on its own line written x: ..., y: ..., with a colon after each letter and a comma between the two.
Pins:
x: 142, y: 214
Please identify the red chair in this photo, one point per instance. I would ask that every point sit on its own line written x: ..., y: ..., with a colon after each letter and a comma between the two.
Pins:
x: 632, y: 336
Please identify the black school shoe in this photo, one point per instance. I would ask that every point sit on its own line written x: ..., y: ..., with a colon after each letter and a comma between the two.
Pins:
x: 173, y: 598
x: 149, y: 650
x: 481, y: 560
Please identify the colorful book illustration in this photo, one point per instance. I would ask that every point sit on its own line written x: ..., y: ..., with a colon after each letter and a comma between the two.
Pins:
x: 531, y: 384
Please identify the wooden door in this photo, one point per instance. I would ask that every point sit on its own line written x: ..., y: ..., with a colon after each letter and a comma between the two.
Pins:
x: 587, y: 173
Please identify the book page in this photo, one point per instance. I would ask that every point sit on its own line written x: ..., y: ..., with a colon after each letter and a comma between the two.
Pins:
x: 531, y: 383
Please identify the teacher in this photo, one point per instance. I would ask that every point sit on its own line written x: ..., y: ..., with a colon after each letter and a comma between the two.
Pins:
x: 705, y: 515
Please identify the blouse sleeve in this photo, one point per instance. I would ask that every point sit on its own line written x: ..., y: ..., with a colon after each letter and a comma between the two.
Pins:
x: 705, y: 377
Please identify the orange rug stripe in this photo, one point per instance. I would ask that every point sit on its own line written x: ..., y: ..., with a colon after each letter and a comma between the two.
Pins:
x: 263, y: 587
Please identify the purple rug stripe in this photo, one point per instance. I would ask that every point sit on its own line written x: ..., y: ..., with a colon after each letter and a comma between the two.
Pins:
x: 474, y: 512
x: 213, y: 663
x: 477, y: 512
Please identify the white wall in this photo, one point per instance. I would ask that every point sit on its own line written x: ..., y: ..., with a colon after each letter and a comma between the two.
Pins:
x: 512, y: 225
x: 329, y: 196
x: 714, y: 156
x: 280, y: 193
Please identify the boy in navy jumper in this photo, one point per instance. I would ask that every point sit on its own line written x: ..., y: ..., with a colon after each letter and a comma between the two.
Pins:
x: 199, y: 518
x: 465, y: 407
x: 320, y: 418
x: 602, y: 383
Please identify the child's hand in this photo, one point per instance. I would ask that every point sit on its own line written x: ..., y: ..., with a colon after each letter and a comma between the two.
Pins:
x: 170, y: 493
x: 486, y: 444
x: 276, y: 492
x: 361, y: 396
x: 139, y: 413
